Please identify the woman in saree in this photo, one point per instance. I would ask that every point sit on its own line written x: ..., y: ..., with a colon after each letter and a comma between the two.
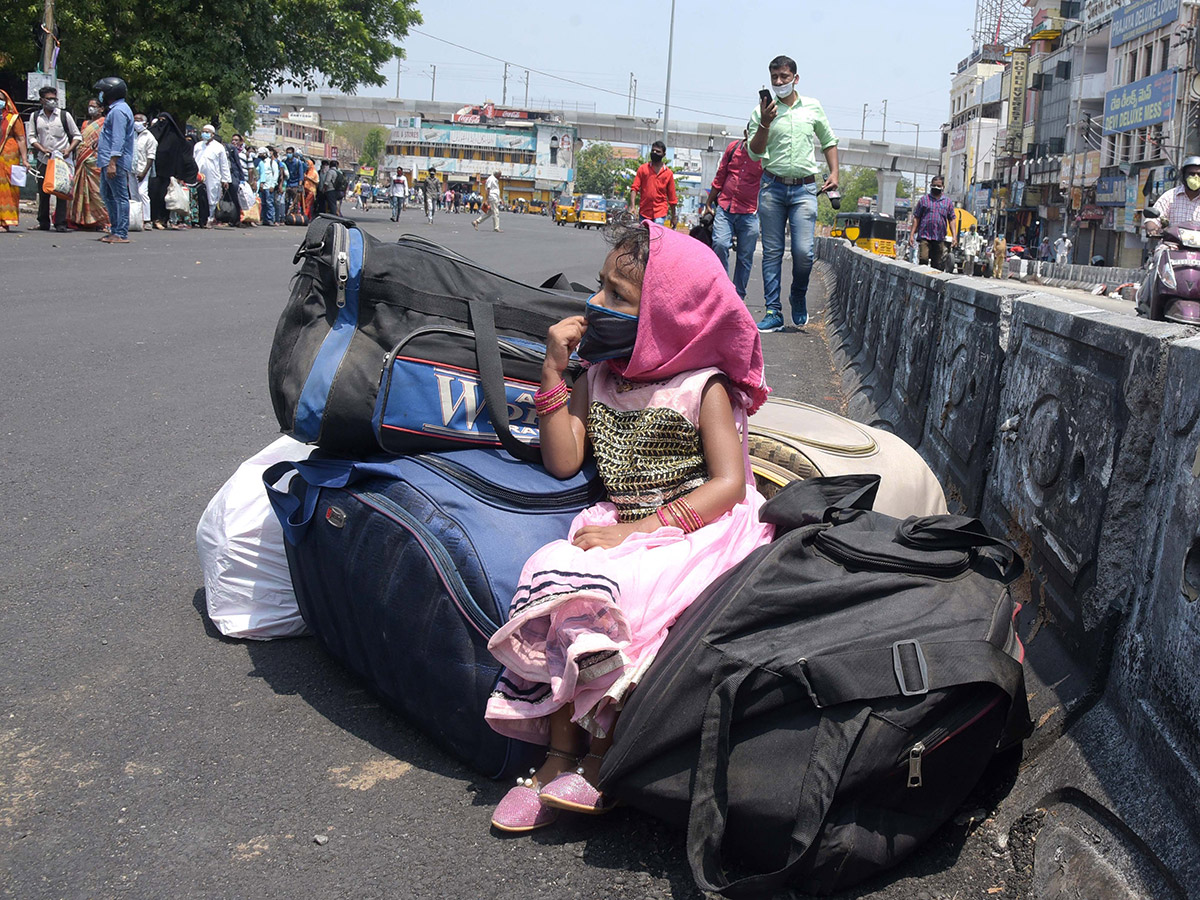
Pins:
x: 87, y: 207
x: 13, y: 152
x: 309, y: 197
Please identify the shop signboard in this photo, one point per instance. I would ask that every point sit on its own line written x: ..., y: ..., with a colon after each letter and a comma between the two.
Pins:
x: 958, y: 139
x: 1018, y: 72
x: 1097, y: 12
x: 1091, y: 213
x: 1110, y: 190
x: 1145, y: 102
x: 1142, y: 17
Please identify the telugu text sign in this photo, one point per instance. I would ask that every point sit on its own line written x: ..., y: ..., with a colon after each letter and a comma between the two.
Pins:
x: 1141, y: 18
x: 1145, y: 102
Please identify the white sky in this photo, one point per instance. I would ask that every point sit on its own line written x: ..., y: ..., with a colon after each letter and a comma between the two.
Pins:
x: 848, y: 54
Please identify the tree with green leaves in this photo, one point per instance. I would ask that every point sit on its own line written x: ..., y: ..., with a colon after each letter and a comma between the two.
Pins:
x: 855, y: 182
x: 598, y: 170
x: 373, y: 147
x: 206, y: 58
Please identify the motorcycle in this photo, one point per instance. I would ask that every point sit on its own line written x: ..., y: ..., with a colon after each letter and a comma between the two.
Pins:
x: 1172, y: 292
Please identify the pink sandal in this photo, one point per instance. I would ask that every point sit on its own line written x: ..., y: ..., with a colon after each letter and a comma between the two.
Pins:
x: 574, y: 793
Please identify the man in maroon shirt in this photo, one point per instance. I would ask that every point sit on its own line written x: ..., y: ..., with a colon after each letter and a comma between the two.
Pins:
x: 656, y: 184
x: 735, y: 194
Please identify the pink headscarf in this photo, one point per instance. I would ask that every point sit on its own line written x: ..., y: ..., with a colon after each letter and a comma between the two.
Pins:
x: 692, y: 318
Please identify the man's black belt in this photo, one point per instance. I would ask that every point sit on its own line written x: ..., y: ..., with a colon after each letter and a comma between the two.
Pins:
x: 792, y: 182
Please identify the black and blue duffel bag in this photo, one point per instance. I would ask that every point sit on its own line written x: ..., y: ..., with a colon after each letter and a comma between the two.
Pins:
x: 403, y: 568
x: 356, y: 299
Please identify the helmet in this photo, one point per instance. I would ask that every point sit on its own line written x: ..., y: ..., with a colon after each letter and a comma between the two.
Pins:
x: 1191, y: 161
x: 111, y: 89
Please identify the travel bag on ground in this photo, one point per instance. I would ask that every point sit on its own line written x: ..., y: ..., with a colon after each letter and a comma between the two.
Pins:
x: 826, y: 705
x: 404, y: 567
x: 247, y: 586
x: 356, y: 299
x: 791, y: 440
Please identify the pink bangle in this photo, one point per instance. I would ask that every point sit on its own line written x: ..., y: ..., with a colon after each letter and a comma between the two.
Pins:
x: 662, y: 517
x: 546, y: 402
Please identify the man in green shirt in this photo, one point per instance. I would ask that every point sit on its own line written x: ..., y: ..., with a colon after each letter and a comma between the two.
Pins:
x: 785, y: 134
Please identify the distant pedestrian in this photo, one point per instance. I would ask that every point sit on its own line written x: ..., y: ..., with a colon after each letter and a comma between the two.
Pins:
x: 433, y: 190
x: 932, y: 218
x: 972, y: 245
x: 654, y: 184
x: 114, y: 156
x: 52, y: 131
x: 733, y: 199
x: 1000, y: 257
x: 1062, y: 250
x: 173, y: 158
x: 145, y: 151
x: 397, y: 194
x: 267, y: 177
x: 294, y: 166
x: 493, y: 201
x: 13, y: 152
x: 1045, y: 253
x: 213, y: 163
x: 785, y: 135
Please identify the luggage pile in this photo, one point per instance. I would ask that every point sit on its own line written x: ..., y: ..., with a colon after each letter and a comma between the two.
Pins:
x: 871, y: 644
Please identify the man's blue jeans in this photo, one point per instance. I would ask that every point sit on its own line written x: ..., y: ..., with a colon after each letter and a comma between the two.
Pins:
x: 266, y: 206
x: 780, y: 205
x: 745, y: 226
x: 115, y: 194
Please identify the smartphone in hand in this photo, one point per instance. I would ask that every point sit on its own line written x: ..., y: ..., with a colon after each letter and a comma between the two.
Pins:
x: 764, y: 96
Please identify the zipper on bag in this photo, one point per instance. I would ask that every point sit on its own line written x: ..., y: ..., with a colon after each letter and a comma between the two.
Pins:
x: 841, y: 553
x: 341, y: 261
x: 438, y: 556
x: 915, y: 755
x: 486, y: 490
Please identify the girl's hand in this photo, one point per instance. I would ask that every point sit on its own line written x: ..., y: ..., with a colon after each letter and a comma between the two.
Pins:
x: 603, y: 535
x: 561, y: 341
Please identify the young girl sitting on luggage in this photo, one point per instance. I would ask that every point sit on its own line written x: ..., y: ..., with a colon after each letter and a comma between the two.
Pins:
x: 676, y: 367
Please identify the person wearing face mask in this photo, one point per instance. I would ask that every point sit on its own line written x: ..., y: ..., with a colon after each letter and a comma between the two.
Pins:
x: 87, y: 206
x: 933, y: 217
x: 655, y: 184
x: 114, y: 155
x: 52, y: 130
x: 293, y: 170
x: 213, y: 163
x: 145, y: 148
x: 1180, y: 205
x: 785, y: 134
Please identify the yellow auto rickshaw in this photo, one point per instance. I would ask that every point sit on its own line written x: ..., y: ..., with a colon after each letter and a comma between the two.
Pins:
x: 537, y: 207
x: 872, y: 232
x: 564, y: 210
x: 590, y: 211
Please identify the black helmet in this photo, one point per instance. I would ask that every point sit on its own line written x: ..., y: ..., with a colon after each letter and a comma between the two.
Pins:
x: 110, y: 89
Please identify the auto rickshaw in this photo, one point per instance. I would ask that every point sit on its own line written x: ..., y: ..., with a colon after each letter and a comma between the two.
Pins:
x: 872, y: 232
x: 591, y: 211
x: 537, y: 207
x: 564, y: 210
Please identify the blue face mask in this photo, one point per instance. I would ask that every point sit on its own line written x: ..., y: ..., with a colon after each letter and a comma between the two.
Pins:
x: 609, y: 335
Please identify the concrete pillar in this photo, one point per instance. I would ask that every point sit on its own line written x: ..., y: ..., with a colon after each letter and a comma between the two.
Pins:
x: 888, y: 182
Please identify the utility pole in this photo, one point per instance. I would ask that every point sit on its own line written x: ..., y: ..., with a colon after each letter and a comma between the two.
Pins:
x: 433, y: 85
x: 527, y: 89
x: 884, y: 136
x: 863, y: 134
x: 670, y: 50
x: 629, y: 105
x: 633, y: 97
x: 397, y: 69
x: 504, y: 98
x: 49, y: 61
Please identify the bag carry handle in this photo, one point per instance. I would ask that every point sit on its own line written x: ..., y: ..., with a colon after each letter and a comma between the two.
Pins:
x: 947, y: 532
x: 811, y: 500
x: 491, y: 378
x: 807, y: 805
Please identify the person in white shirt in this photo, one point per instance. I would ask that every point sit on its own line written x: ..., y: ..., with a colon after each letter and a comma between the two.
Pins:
x: 493, y: 200
x: 397, y: 194
x: 971, y: 243
x: 145, y: 147
x: 213, y: 163
x: 1062, y: 250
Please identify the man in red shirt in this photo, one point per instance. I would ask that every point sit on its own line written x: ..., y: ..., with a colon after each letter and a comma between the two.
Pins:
x: 656, y: 184
x: 735, y: 195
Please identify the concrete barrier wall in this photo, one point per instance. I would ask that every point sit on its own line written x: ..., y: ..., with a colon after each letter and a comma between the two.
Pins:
x: 1073, y: 275
x: 1073, y: 432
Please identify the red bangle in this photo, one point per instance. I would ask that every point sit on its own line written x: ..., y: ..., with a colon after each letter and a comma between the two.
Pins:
x: 662, y: 517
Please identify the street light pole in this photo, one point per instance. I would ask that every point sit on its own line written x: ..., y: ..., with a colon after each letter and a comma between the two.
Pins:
x: 670, y: 51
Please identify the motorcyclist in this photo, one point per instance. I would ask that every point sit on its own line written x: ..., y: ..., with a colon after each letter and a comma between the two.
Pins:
x: 1180, y: 205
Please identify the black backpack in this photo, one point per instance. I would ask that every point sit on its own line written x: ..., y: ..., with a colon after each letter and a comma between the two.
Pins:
x: 826, y: 705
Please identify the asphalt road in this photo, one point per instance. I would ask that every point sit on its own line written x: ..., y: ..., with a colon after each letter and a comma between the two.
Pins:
x: 142, y: 755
